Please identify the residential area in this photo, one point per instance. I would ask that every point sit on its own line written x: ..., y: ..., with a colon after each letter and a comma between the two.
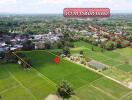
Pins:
x: 93, y: 56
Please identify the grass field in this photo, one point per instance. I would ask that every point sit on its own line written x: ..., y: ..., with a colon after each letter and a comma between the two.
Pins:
x: 41, y: 80
x: 119, y: 60
x: 116, y: 58
x: 81, y: 79
x: 16, y: 84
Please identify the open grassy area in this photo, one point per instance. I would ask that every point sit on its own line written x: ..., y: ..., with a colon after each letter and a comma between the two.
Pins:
x: 41, y: 80
x: 81, y: 78
x: 16, y: 84
x: 120, y: 58
x: 44, y: 63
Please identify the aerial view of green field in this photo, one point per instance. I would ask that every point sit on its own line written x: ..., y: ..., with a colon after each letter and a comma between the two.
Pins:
x: 116, y: 58
x: 41, y: 80
x: 49, y: 51
x: 119, y: 59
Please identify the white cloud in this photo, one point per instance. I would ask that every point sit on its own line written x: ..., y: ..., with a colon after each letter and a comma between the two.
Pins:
x: 5, y: 2
x: 54, y: 6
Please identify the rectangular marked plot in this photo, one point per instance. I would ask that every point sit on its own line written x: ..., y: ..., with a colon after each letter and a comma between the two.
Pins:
x: 90, y: 93
x: 111, y: 87
x: 100, y: 57
x: 126, y: 67
x: 127, y: 96
x: 89, y: 53
x: 112, y: 54
x: 6, y: 81
x: 82, y: 78
x: 116, y: 74
x: 18, y: 93
x: 87, y: 45
x: 64, y: 70
x: 20, y: 73
x: 112, y: 62
x: 38, y: 86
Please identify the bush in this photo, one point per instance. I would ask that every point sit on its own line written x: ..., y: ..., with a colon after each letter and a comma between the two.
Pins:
x: 28, y: 45
x: 110, y: 45
x: 66, y: 51
x: 26, y: 63
x: 21, y: 55
x: 2, y: 61
x: 81, y: 52
x: 10, y: 57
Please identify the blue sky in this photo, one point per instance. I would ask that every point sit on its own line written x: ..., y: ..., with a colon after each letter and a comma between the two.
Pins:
x: 56, y: 6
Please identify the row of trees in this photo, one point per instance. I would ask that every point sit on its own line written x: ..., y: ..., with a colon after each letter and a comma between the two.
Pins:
x: 10, y: 57
x: 109, y: 45
x: 23, y: 60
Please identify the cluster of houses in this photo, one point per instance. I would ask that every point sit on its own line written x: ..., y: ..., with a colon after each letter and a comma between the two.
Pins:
x: 40, y: 40
x: 94, y: 35
x: 15, y: 41
x: 99, y: 35
x: 12, y: 42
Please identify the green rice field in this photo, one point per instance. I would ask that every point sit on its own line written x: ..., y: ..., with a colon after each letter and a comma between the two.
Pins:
x: 42, y: 79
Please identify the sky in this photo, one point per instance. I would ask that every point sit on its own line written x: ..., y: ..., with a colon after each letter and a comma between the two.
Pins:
x: 57, y: 6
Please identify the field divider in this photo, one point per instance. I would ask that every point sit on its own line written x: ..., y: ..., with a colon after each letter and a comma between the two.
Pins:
x: 88, y: 84
x: 8, y: 89
x: 127, y: 94
x: 44, y: 77
x: 108, y: 77
x: 107, y: 56
x: 37, y: 72
x: 99, y: 89
x: 22, y: 85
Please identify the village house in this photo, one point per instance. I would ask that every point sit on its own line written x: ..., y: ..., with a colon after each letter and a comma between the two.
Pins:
x: 101, y: 40
x: 39, y: 45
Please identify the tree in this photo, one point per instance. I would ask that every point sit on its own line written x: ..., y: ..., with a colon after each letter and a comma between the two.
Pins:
x: 10, y: 57
x: 60, y: 45
x: 124, y: 43
x: 2, y: 55
x: 102, y: 49
x: 119, y: 43
x: 47, y: 45
x: 66, y: 50
x: 110, y: 45
x: 20, y: 54
x: 0, y: 97
x: 81, y: 52
x: 129, y: 37
x: 28, y: 45
x: 8, y: 42
x: 67, y: 43
x: 65, y: 89
x: 92, y: 48
x: 26, y: 63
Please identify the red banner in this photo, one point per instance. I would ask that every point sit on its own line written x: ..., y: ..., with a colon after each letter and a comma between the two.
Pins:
x: 86, y: 12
